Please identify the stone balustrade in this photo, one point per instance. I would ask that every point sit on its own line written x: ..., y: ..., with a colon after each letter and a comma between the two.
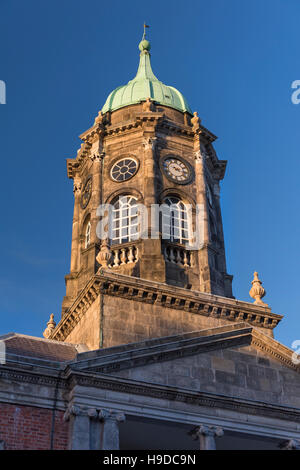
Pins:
x: 178, y: 255
x: 124, y: 255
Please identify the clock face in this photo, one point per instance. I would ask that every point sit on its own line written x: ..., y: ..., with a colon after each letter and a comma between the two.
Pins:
x: 124, y: 169
x: 177, y: 170
x: 86, y: 193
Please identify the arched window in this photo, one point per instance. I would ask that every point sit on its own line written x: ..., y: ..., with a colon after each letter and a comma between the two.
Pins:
x: 87, y: 239
x: 124, y: 226
x: 176, y: 227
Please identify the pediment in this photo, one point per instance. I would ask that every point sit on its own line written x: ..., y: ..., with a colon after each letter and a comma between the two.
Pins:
x: 165, y: 349
x: 233, y: 360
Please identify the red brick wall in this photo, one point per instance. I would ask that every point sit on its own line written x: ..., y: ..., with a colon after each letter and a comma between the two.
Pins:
x: 26, y: 427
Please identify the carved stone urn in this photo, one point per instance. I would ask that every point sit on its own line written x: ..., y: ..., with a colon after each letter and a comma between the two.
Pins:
x: 50, y: 327
x: 257, y: 291
x: 104, y: 254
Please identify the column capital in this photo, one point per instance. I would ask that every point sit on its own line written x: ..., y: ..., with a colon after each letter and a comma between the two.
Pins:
x: 292, y: 444
x: 77, y: 410
x: 97, y: 157
x: 206, y: 436
x: 112, y: 415
x: 92, y: 413
x: 76, y: 186
x: 72, y: 410
x: 212, y: 431
x: 149, y: 143
x: 198, y: 157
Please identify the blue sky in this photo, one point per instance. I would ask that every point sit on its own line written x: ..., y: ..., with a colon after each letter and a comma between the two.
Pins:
x: 234, y: 61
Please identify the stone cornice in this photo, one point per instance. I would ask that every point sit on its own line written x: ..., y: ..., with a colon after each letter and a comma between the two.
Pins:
x: 274, y: 349
x: 187, y: 344
x: 166, y: 392
x: 109, y: 283
x: 34, y: 375
x: 158, y: 119
x: 129, y: 356
x: 68, y: 379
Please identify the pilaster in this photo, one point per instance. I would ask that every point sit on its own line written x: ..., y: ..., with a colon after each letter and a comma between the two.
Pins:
x: 109, y: 436
x: 75, y: 228
x: 205, y: 282
x: 152, y: 264
x: 79, y: 420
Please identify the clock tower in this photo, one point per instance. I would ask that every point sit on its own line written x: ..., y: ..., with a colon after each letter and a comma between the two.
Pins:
x: 148, y: 176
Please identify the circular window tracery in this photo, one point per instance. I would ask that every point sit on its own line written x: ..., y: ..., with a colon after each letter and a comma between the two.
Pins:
x: 124, y: 169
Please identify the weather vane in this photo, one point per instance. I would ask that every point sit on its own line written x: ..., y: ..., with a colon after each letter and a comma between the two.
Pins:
x: 145, y: 26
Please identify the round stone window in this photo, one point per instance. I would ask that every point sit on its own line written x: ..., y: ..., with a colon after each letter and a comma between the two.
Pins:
x: 124, y: 169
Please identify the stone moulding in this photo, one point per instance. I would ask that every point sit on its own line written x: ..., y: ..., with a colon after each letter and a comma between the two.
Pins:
x: 69, y: 379
x: 161, y: 350
x: 169, y: 348
x: 141, y: 290
x: 108, y: 130
x: 165, y: 392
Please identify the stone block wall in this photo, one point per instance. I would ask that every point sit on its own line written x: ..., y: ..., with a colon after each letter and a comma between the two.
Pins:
x: 128, y: 321
x: 236, y: 372
x: 87, y: 330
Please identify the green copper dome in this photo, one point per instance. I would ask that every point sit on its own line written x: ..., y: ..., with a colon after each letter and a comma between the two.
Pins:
x: 145, y: 85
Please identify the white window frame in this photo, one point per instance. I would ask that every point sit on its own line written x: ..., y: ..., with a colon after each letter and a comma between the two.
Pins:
x: 179, y: 224
x: 87, y: 240
x: 124, y: 223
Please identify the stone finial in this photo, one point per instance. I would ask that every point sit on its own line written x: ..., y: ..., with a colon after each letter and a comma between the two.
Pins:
x: 104, y: 254
x: 99, y: 118
x: 148, y: 106
x: 50, y: 327
x: 257, y: 291
x: 195, y: 121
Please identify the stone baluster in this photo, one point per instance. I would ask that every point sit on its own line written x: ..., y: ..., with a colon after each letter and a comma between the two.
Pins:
x: 109, y: 436
x: 130, y: 254
x: 177, y: 256
x: 171, y: 255
x: 206, y: 436
x: 136, y: 253
x: 116, y: 257
x: 123, y: 256
x: 185, y: 259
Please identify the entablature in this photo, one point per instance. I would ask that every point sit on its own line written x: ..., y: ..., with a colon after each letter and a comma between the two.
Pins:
x: 114, y: 284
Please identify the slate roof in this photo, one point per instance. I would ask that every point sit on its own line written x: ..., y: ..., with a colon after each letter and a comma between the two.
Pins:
x: 30, y: 346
